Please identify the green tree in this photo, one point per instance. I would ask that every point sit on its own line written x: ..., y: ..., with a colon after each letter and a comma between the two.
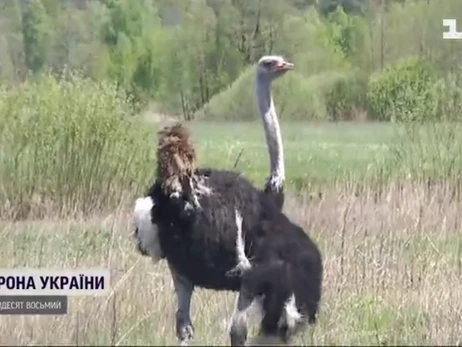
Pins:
x: 12, y: 51
x: 36, y: 35
x: 349, y: 6
x: 130, y: 31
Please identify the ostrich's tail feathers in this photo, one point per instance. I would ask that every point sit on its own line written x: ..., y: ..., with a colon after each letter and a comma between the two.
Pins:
x: 176, y: 155
x: 176, y: 163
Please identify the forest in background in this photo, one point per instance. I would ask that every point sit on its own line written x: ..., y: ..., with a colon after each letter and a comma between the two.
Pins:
x: 355, y: 59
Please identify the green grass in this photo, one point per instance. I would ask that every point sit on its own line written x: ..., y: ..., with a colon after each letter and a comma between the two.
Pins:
x: 314, y: 152
x: 320, y: 154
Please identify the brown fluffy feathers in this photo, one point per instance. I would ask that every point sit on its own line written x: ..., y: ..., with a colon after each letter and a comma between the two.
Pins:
x: 176, y: 159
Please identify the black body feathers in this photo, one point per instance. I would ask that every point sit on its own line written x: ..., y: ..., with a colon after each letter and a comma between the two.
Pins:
x: 201, y: 245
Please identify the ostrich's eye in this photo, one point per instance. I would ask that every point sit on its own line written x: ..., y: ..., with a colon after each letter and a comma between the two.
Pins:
x: 268, y: 64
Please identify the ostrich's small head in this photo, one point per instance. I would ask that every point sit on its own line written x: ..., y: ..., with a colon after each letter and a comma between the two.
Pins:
x: 273, y: 66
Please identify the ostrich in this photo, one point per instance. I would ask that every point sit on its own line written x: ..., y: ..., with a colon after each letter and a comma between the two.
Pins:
x: 238, y: 240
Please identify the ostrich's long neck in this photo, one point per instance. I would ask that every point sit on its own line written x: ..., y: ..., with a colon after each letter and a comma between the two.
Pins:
x: 272, y: 132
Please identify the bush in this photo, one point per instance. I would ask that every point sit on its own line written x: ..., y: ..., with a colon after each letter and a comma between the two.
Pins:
x: 70, y: 145
x: 402, y: 92
x: 237, y: 102
x: 343, y: 94
x: 447, y: 93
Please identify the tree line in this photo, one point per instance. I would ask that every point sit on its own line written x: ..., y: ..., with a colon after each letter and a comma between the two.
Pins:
x: 177, y: 55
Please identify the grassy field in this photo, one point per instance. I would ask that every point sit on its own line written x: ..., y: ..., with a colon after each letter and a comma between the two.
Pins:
x: 330, y: 154
x: 392, y: 260
x: 314, y: 152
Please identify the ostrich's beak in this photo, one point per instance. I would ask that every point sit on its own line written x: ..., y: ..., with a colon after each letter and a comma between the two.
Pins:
x: 284, y: 66
x: 288, y: 66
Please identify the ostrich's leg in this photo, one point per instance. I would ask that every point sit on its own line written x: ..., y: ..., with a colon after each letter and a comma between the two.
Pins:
x: 184, y: 289
x: 238, y: 330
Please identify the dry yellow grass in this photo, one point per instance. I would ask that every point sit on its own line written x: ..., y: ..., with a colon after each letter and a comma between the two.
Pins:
x: 392, y: 275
